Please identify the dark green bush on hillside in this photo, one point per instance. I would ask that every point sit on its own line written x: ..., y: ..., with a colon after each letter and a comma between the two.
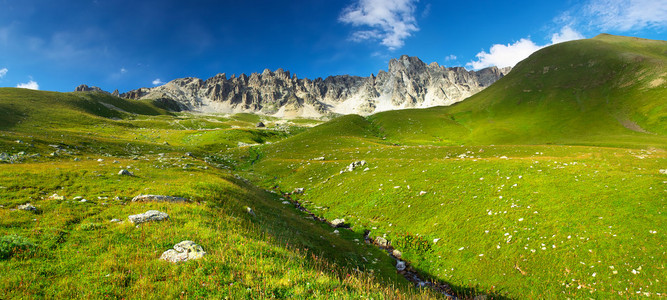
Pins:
x: 14, y: 244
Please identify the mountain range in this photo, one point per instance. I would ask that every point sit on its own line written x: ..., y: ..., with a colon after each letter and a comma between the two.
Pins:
x: 408, y: 83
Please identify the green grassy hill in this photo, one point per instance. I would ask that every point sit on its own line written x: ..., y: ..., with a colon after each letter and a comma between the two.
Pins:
x: 545, y: 185
x: 609, y: 90
x: 72, y: 145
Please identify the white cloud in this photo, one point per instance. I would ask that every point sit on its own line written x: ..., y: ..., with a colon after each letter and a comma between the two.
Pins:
x: 509, y: 55
x: 123, y: 70
x: 505, y: 55
x: 627, y: 15
x: 391, y: 21
x: 157, y: 81
x: 450, y: 57
x: 32, y: 85
x: 566, y: 34
x: 3, y: 72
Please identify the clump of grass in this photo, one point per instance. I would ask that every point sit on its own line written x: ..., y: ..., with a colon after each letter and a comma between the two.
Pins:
x: 14, y: 245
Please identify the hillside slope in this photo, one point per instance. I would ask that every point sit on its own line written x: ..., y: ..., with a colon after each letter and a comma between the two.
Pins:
x: 609, y: 90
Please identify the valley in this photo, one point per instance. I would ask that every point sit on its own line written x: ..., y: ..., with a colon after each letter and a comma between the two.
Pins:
x: 550, y: 183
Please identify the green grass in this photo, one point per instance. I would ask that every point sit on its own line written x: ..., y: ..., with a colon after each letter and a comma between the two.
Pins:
x: 545, y: 156
x: 70, y: 249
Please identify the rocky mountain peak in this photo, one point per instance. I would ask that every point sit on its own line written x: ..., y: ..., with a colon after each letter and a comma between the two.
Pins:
x: 407, y: 83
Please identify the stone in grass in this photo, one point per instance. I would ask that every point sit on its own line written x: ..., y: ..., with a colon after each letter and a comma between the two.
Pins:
x: 125, y: 173
x: 382, y: 242
x: 250, y: 211
x: 339, y: 223
x: 183, y: 251
x: 396, y: 253
x: 663, y: 171
x: 27, y: 207
x: 149, y: 216
x: 159, y: 198
x: 400, y: 265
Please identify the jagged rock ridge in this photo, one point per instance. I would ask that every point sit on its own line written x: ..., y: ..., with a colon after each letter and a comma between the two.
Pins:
x: 408, y: 83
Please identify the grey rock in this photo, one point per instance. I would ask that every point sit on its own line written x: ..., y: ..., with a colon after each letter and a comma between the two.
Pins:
x: 400, y: 265
x: 407, y: 83
x: 85, y: 88
x: 260, y: 125
x: 159, y: 198
x: 183, y: 251
x: 338, y: 223
x: 27, y: 207
x: 319, y: 158
x: 114, y: 220
x: 124, y: 172
x: 298, y: 191
x: 353, y: 166
x: 396, y: 253
x: 663, y: 171
x: 149, y: 216
x: 382, y: 242
x: 250, y: 211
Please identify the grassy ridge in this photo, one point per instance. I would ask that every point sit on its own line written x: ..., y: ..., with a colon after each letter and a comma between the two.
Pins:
x: 605, y: 91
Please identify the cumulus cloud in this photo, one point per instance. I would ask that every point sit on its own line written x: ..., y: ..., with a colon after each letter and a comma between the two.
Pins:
x: 157, y: 81
x: 500, y: 55
x: 32, y: 85
x: 450, y: 57
x: 566, y: 34
x: 3, y: 72
x: 627, y: 15
x: 390, y: 21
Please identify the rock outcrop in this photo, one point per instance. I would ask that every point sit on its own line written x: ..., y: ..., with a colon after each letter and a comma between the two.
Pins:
x: 408, y: 83
x: 85, y: 88
x: 149, y: 216
x: 183, y: 251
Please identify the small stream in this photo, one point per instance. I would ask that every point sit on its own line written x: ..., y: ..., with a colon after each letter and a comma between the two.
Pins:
x: 408, y: 272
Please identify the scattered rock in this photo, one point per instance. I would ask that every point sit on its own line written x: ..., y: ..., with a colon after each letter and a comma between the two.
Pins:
x: 27, y: 207
x: 353, y: 166
x: 396, y: 253
x: 114, y: 220
x: 400, y: 265
x: 250, y: 211
x: 149, y: 216
x: 115, y: 162
x: 367, y: 169
x: 159, y: 198
x: 319, y: 158
x: 435, y: 240
x: 298, y: 191
x: 77, y: 159
x: 77, y: 198
x: 380, y: 241
x: 336, y: 231
x: 125, y: 173
x: 183, y: 251
x: 83, y: 200
x: 663, y: 171
x: 286, y: 202
x: 422, y: 193
x: 56, y: 197
x: 338, y: 223
x: 260, y: 125
x: 189, y: 154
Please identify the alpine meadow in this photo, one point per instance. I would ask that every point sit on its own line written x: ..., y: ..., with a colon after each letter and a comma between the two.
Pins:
x: 549, y: 183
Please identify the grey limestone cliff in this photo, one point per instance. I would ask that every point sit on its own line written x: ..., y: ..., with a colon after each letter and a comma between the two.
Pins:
x: 408, y: 83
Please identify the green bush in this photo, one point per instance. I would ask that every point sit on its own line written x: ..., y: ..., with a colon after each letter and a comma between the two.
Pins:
x: 14, y: 244
x: 408, y: 241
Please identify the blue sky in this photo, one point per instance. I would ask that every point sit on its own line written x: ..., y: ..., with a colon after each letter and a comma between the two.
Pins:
x: 124, y: 45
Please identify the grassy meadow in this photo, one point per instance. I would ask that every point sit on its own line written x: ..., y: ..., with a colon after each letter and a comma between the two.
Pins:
x: 549, y: 184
